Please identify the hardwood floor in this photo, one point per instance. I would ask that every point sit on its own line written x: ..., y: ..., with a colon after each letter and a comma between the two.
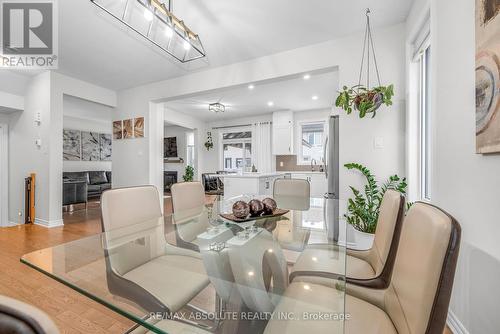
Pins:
x: 71, y: 311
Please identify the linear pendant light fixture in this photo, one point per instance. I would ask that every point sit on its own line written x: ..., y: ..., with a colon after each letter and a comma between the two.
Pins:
x: 154, y: 21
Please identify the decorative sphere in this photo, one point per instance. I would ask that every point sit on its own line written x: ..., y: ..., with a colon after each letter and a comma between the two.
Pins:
x: 256, y: 207
x: 269, y: 205
x: 241, y: 209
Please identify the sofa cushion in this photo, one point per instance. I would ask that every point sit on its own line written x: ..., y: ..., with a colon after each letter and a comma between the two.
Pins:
x: 105, y: 186
x: 76, y: 176
x: 94, y: 188
x: 98, y: 177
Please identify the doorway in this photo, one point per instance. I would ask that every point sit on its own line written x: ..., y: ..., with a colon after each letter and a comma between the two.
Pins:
x: 179, y: 155
x: 4, y: 171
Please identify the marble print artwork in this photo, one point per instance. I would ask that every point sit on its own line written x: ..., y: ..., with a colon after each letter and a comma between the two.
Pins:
x: 105, y: 147
x: 139, y: 127
x: 90, y: 146
x: 487, y: 76
x: 117, y: 130
x: 128, y: 128
x: 71, y: 145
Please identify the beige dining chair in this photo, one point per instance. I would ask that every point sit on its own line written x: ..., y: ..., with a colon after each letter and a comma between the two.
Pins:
x: 141, y: 266
x: 188, y: 204
x: 17, y: 317
x: 416, y: 300
x: 373, y: 267
x: 292, y: 187
x: 187, y: 196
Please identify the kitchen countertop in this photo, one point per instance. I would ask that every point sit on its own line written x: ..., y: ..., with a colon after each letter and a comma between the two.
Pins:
x: 252, y: 175
x: 301, y: 172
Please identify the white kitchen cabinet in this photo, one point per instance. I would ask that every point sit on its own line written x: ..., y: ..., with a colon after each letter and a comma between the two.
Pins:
x: 250, y: 184
x: 317, y: 181
x: 283, y: 133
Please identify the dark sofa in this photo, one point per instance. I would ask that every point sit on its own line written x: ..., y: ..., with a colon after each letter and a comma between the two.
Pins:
x: 96, y: 181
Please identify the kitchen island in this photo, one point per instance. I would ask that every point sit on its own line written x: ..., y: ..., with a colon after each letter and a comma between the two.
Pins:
x: 250, y: 183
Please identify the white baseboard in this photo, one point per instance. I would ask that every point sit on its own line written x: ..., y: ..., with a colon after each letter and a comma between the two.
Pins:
x: 455, y: 324
x: 10, y: 224
x: 49, y: 223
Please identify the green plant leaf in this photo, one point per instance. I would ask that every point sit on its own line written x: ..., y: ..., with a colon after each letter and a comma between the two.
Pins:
x: 363, y: 209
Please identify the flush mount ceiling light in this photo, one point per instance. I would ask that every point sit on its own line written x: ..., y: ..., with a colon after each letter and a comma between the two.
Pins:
x: 216, y: 107
x: 154, y: 21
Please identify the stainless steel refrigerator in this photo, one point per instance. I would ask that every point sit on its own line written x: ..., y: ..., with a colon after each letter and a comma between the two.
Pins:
x: 331, y: 156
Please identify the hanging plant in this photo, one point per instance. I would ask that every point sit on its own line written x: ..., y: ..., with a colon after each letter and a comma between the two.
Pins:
x: 364, y: 100
x: 209, y: 143
x: 360, y: 97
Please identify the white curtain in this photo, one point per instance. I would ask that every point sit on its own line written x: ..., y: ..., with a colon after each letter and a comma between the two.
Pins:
x: 261, y: 147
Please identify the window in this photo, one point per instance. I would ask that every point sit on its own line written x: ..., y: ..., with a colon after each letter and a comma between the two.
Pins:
x: 312, y: 136
x: 424, y: 112
x: 190, y: 149
x: 237, y: 150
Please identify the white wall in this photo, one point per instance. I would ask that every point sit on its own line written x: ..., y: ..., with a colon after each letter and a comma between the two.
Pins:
x: 464, y: 183
x: 12, y: 88
x: 44, y: 94
x: 25, y: 157
x: 13, y: 82
x: 358, y: 134
x: 83, y: 115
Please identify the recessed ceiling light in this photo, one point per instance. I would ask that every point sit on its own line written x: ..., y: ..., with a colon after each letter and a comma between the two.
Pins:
x: 314, y: 97
x: 307, y: 76
x: 307, y: 287
x: 148, y: 15
x: 270, y: 103
x: 251, y: 273
x: 251, y: 87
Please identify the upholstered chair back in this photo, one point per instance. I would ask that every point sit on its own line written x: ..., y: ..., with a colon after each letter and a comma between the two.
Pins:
x: 187, y: 196
x: 291, y: 187
x: 418, y: 297
x: 391, y: 211
x: 123, y: 207
x: 130, y: 214
x: 19, y: 317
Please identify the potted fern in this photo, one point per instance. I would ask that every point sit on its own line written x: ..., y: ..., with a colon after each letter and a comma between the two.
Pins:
x: 363, y: 208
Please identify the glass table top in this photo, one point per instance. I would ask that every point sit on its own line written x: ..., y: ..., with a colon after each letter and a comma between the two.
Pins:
x: 197, y: 272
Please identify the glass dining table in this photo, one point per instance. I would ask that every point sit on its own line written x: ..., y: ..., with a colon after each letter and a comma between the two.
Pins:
x: 198, y: 271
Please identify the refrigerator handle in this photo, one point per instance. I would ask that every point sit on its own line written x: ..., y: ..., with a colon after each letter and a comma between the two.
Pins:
x: 325, y: 157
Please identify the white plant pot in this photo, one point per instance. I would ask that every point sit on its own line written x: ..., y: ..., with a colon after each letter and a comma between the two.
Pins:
x: 362, y: 240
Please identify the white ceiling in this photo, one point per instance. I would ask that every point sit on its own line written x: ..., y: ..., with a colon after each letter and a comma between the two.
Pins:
x: 293, y: 93
x: 94, y: 47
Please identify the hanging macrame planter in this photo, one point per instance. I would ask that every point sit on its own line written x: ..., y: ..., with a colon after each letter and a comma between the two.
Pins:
x: 363, y: 98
